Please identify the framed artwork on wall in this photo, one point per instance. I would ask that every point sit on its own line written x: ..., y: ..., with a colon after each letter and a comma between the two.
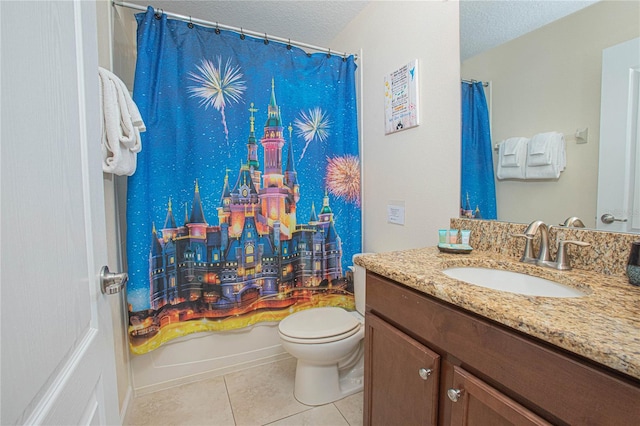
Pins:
x: 401, y: 106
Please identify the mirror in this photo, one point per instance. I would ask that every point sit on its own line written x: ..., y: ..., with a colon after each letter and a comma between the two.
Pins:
x: 550, y: 80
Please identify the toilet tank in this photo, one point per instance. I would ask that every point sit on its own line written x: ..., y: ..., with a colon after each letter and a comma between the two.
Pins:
x: 359, y: 278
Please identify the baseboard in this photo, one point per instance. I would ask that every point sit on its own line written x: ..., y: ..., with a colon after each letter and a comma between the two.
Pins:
x: 125, y: 404
x: 205, y: 355
x: 210, y: 374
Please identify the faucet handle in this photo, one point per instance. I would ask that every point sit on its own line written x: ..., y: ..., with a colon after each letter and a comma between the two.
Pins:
x: 527, y: 256
x: 562, y: 258
x: 528, y: 236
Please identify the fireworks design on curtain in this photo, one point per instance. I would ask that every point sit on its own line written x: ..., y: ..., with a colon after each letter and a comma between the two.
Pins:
x: 343, y: 178
x: 311, y: 126
x: 247, y: 244
x: 218, y: 86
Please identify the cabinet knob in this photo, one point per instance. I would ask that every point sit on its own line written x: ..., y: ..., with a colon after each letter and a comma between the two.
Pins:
x: 454, y: 394
x: 424, y: 373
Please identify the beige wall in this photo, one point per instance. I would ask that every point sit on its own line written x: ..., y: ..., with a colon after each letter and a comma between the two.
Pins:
x: 549, y: 80
x: 418, y: 166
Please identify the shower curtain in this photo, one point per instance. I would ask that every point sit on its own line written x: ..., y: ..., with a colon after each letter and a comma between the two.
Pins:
x: 245, y: 206
x: 478, y: 192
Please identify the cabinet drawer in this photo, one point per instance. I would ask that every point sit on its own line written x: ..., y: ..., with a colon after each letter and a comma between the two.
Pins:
x: 556, y: 385
x: 401, y: 380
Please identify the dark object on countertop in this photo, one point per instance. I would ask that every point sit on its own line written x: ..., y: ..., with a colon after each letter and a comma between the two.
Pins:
x: 633, y: 265
x: 455, y: 248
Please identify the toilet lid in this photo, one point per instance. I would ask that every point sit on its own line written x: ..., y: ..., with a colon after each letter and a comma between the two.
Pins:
x: 317, y: 323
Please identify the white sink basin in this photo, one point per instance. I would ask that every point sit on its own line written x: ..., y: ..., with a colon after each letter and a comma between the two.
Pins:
x: 513, y: 282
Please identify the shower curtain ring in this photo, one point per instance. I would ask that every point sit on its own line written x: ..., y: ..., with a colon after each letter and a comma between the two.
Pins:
x: 329, y: 53
x: 289, y: 45
x: 344, y: 57
x: 217, y: 29
x: 241, y: 34
x: 159, y: 13
x: 190, y: 24
x: 266, y: 39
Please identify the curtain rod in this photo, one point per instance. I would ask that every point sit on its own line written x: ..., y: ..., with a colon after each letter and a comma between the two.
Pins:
x: 484, y: 84
x: 217, y: 25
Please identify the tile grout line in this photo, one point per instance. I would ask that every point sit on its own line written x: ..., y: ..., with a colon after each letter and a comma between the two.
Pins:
x: 291, y: 415
x: 226, y: 388
x: 340, y: 411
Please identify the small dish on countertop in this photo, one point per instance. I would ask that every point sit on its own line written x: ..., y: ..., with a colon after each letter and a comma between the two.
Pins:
x: 455, y: 248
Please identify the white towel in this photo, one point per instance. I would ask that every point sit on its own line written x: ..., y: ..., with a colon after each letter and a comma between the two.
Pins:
x: 512, y: 155
x: 512, y: 150
x: 546, y: 157
x: 540, y: 147
x: 121, y: 126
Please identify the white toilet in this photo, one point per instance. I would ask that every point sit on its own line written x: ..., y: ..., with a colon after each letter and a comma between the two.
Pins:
x: 329, y: 345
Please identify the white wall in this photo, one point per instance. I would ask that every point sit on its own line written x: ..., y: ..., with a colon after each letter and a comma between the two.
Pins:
x: 418, y: 166
x: 549, y: 80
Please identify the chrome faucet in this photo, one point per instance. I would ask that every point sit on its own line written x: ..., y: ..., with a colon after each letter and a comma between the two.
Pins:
x: 529, y: 235
x: 544, y: 258
x: 574, y: 222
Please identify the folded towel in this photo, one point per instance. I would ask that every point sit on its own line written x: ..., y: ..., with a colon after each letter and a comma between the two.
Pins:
x: 546, y: 157
x: 121, y: 126
x: 540, y: 143
x: 542, y: 172
x: 512, y: 152
x: 512, y: 155
x: 540, y: 149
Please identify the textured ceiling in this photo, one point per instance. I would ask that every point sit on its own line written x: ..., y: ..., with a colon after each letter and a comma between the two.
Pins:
x: 484, y: 24
x: 310, y: 22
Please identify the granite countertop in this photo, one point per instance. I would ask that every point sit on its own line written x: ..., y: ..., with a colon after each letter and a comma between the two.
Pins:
x: 603, y: 326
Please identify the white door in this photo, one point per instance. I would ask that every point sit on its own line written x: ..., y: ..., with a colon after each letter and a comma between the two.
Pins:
x: 619, y: 166
x: 57, y: 342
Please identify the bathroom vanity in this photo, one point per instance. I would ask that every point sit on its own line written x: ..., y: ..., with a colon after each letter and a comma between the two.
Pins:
x: 440, y: 351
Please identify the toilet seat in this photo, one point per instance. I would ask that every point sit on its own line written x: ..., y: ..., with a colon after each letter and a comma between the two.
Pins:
x: 319, y: 325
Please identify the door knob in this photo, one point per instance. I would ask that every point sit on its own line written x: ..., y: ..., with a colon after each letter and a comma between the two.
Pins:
x: 111, y: 282
x: 609, y: 218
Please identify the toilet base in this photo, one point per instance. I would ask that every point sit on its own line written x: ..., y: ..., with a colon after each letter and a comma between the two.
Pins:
x: 323, y: 384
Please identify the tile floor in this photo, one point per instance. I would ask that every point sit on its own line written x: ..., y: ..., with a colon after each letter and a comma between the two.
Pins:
x: 262, y: 395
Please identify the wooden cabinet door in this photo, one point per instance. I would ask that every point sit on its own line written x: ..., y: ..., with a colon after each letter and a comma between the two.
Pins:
x: 476, y: 403
x: 401, y: 377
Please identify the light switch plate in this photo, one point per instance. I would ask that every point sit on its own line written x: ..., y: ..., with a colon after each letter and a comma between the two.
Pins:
x: 395, y: 213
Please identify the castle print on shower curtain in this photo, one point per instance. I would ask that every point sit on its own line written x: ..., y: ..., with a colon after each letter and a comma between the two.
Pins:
x: 245, y: 205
